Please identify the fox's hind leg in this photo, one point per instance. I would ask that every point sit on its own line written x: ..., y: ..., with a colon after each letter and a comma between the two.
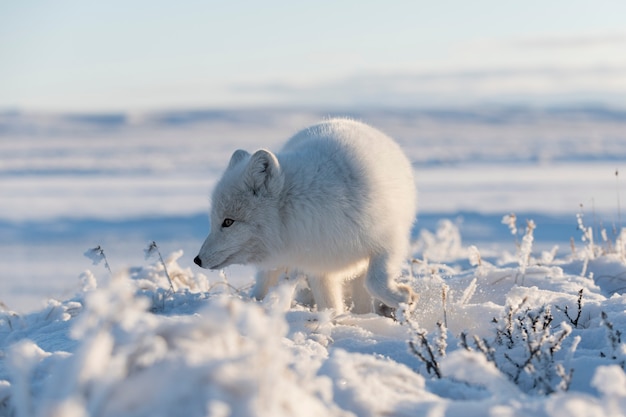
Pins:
x: 381, y: 282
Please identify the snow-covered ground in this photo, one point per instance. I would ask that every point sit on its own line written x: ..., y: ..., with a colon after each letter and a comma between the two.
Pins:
x: 75, y: 342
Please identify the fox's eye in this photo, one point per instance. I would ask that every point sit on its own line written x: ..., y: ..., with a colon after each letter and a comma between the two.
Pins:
x: 227, y: 222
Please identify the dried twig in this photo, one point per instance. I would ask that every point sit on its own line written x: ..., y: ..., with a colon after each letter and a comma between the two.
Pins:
x: 149, y: 251
x: 97, y: 255
x: 579, y: 302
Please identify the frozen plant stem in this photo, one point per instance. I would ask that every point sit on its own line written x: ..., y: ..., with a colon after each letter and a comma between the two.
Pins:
x: 424, y: 351
x: 152, y: 247
x: 614, y: 337
x: 524, y: 348
x: 97, y: 255
x: 579, y: 302
x: 526, y: 247
x: 587, y: 235
x: 444, y: 299
x: 511, y: 221
x: 428, y: 351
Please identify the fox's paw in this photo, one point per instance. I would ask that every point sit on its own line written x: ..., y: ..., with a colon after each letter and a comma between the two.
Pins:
x: 411, y: 297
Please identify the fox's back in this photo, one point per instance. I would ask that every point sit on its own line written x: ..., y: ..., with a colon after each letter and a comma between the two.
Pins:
x: 357, y: 155
x: 349, y: 190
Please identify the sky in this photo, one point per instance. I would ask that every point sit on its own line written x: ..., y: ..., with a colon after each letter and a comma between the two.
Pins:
x: 116, y: 55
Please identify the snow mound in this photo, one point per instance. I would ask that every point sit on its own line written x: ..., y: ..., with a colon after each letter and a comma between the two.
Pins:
x: 229, y: 358
x: 516, y: 335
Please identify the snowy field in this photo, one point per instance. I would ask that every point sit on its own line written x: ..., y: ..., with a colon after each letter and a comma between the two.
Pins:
x: 516, y: 324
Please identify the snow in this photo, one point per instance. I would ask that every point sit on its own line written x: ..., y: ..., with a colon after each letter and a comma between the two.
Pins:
x: 133, y: 348
x: 513, y: 325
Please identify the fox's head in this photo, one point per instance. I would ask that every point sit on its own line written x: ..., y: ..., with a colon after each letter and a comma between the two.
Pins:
x: 244, y: 212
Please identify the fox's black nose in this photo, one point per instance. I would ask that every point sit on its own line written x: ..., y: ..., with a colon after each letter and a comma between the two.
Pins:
x: 197, y: 261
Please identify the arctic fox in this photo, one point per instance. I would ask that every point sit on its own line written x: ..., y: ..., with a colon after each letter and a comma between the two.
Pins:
x: 337, y: 203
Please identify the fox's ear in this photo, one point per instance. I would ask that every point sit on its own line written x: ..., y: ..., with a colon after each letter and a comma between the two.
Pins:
x: 238, y: 156
x: 264, y: 174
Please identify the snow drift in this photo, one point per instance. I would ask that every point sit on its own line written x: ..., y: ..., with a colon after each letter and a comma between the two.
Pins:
x: 519, y: 335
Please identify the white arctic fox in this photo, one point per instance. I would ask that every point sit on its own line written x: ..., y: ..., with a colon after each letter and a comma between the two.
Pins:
x: 337, y: 203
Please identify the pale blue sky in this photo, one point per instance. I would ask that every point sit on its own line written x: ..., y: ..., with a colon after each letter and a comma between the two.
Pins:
x: 86, y: 55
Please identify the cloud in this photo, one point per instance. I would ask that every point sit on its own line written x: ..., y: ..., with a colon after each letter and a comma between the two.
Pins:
x: 598, y: 40
x: 597, y: 83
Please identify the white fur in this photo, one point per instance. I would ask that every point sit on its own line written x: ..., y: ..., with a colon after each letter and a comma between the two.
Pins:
x: 336, y: 203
